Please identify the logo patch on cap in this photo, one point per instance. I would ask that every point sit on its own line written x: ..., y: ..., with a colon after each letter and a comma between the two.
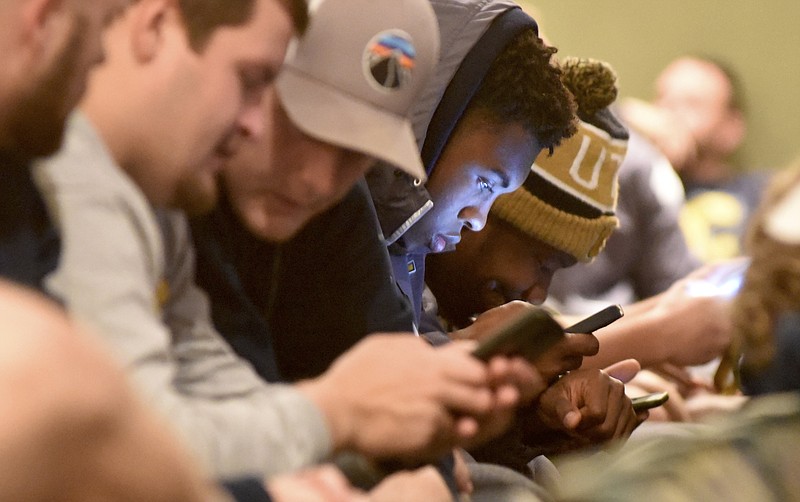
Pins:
x: 389, y: 60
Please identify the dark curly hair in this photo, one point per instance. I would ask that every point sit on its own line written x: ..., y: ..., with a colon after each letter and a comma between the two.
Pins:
x: 524, y: 85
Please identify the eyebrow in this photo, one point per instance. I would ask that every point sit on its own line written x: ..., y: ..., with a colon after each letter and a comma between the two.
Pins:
x: 504, y: 181
x: 265, y: 71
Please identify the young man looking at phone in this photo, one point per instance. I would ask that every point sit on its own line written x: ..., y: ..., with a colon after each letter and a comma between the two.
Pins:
x: 564, y: 213
x: 71, y: 426
x: 547, y: 203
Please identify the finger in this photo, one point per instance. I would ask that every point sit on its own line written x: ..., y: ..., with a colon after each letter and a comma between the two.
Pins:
x: 466, y: 399
x: 611, y: 421
x: 597, y: 396
x: 461, y: 472
x: 619, y: 419
x: 625, y: 370
x: 331, y: 482
x: 504, y: 382
x: 617, y: 409
x: 572, y: 420
x: 465, y: 429
x: 599, y: 419
x: 628, y: 419
x: 499, y: 370
x: 466, y: 346
x: 438, y: 432
x: 581, y: 344
x: 458, y: 366
x: 519, y: 373
x: 570, y: 363
x: 568, y: 414
x: 324, y: 483
x: 529, y: 381
x: 506, y: 396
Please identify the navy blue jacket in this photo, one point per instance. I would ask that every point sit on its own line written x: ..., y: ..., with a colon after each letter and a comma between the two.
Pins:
x: 291, y: 309
x: 29, y: 244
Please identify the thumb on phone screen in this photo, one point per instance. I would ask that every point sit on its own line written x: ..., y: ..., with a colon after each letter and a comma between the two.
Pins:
x: 625, y: 370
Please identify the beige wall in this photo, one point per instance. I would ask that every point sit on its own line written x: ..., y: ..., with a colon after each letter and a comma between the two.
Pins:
x: 760, y: 39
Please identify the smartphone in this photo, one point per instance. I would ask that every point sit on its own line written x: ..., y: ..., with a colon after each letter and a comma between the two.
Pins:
x: 528, y: 336
x: 648, y: 401
x: 597, y: 320
x: 723, y: 280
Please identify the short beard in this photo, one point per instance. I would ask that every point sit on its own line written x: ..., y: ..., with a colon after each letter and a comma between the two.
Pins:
x: 196, y: 195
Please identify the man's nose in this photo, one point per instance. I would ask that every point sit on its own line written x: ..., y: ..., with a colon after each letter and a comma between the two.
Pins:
x: 474, y: 218
x: 251, y: 121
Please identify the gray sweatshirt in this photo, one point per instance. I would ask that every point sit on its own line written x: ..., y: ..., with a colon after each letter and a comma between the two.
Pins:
x: 136, y: 290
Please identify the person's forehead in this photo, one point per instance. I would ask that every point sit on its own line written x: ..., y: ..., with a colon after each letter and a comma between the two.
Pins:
x: 506, y: 152
x: 693, y: 74
x: 518, y: 167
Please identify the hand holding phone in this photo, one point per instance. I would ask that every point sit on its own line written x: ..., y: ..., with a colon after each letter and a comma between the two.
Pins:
x: 528, y: 335
x: 722, y: 280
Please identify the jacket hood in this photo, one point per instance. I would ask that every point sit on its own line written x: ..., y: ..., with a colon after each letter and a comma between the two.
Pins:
x: 473, y: 33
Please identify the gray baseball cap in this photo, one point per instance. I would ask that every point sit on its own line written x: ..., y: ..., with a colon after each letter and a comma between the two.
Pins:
x: 352, y: 78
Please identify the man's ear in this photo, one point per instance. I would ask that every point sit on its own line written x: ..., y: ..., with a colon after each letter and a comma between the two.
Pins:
x: 40, y: 22
x: 148, y: 22
x: 732, y: 132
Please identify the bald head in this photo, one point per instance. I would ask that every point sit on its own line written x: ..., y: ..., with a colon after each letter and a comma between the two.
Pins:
x: 702, y: 95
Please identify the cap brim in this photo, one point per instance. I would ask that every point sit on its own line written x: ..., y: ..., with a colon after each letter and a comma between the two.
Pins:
x: 330, y: 115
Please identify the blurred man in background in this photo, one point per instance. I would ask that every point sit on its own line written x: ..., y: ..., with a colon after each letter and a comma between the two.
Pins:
x: 705, y: 96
